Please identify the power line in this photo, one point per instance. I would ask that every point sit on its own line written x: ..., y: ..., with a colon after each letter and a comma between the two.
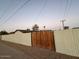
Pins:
x: 63, y: 20
x: 27, y: 1
x: 67, y: 8
x: 41, y: 10
x: 4, y: 12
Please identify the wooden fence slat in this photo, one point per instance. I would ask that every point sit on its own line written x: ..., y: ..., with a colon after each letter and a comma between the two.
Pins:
x: 43, y: 39
x: 38, y: 39
x: 34, y: 39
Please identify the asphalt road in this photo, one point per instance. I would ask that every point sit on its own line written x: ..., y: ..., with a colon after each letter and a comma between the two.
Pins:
x: 7, y: 52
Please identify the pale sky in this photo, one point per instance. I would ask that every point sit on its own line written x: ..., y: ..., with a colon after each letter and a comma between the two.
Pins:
x: 42, y: 12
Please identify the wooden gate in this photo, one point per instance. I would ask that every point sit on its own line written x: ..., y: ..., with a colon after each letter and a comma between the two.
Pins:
x: 43, y: 39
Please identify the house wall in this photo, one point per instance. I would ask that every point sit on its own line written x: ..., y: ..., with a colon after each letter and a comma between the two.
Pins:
x: 18, y: 37
x: 67, y: 42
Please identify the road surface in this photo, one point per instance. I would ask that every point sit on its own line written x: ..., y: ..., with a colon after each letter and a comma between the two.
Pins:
x: 7, y: 52
x: 10, y: 50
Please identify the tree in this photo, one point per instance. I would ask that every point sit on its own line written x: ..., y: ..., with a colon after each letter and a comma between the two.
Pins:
x: 3, y: 32
x: 35, y: 27
x: 28, y: 30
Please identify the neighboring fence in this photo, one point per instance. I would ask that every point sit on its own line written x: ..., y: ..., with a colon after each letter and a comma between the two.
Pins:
x: 67, y: 41
x: 18, y: 37
x: 43, y: 39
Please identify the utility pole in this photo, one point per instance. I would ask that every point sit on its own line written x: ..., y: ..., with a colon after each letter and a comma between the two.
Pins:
x: 62, y: 21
